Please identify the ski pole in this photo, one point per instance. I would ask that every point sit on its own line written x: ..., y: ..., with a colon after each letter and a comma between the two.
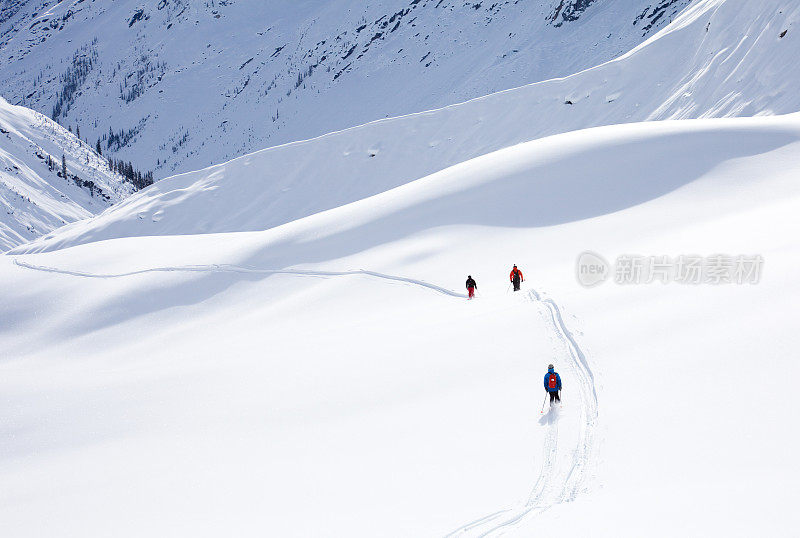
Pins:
x: 544, y: 402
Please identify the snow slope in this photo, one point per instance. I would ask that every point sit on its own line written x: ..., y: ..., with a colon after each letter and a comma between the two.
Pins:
x: 321, y: 378
x: 719, y: 58
x: 35, y: 197
x: 183, y: 85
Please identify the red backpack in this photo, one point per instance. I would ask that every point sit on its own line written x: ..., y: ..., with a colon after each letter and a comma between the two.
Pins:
x: 553, y: 381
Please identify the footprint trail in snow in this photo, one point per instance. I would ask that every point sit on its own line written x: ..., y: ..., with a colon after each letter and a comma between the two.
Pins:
x: 562, y: 475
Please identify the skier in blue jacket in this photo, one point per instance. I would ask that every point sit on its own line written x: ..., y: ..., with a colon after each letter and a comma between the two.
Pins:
x: 552, y: 384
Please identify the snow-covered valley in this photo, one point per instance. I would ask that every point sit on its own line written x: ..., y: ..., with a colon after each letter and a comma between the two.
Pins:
x: 48, y: 177
x: 281, y: 344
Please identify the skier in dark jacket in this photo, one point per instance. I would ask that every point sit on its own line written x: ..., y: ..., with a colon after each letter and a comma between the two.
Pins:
x: 552, y: 384
x: 516, y: 277
x: 471, y: 286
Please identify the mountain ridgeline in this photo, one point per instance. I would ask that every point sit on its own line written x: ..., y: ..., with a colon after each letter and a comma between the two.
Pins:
x: 196, y: 83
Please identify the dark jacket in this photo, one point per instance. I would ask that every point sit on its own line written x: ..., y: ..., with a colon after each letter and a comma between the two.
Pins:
x: 547, y: 381
x: 471, y: 283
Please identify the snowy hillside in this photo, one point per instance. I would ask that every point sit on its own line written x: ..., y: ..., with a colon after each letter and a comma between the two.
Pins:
x: 281, y: 344
x: 35, y: 197
x: 328, y: 377
x: 175, y: 85
x: 740, y: 63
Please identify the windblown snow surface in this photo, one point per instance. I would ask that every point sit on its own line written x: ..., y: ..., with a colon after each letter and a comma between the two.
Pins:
x: 185, y: 366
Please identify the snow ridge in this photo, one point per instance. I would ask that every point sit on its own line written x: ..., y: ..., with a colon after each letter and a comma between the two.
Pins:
x: 270, y: 187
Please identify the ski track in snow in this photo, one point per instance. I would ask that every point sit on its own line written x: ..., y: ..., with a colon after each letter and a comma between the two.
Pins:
x: 554, y: 485
x: 227, y: 268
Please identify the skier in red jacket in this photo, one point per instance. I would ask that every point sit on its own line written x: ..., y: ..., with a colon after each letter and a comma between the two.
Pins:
x: 471, y: 286
x: 516, y: 278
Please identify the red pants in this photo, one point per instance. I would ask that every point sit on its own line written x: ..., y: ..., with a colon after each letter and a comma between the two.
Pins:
x: 471, y: 292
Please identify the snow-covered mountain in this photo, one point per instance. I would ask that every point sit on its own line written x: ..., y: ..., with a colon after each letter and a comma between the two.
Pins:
x: 718, y: 58
x: 281, y: 345
x: 35, y: 195
x: 174, y: 85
